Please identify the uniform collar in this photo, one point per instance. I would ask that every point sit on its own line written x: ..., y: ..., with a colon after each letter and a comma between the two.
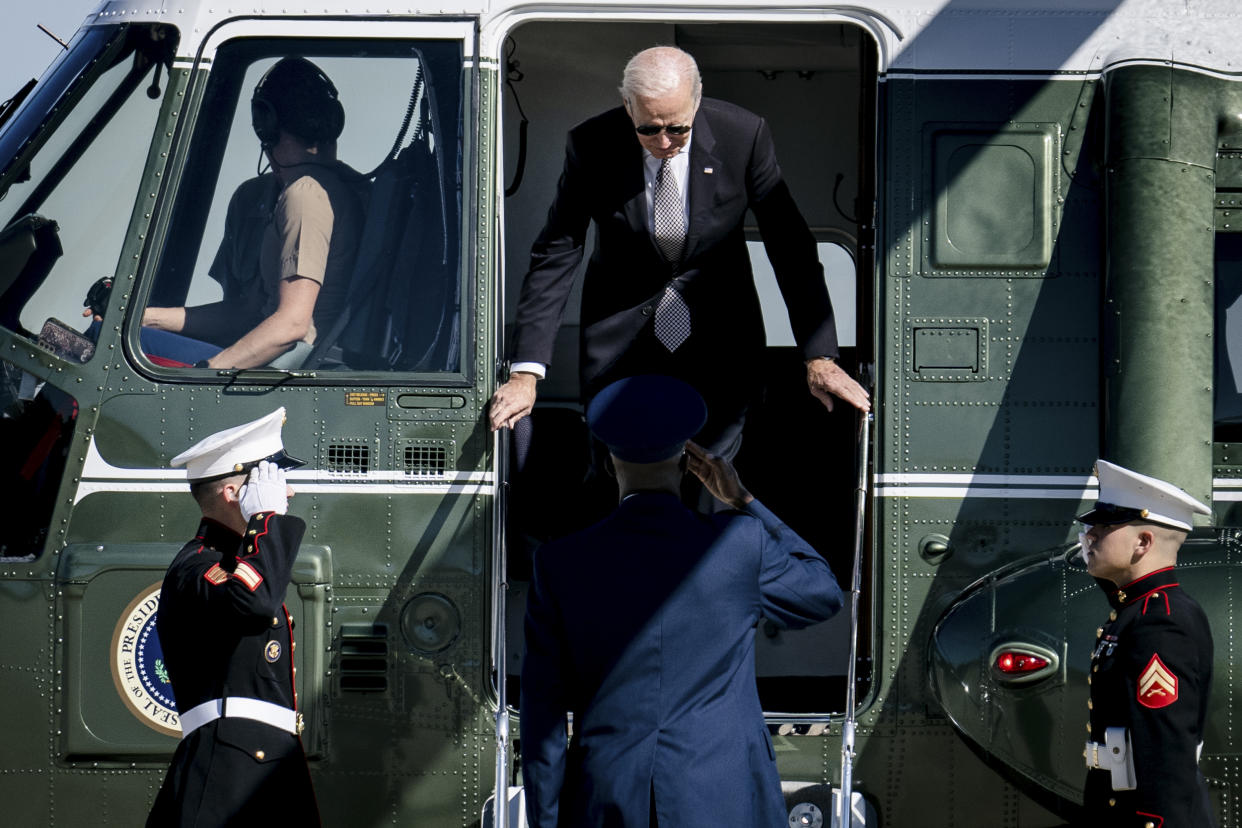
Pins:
x: 216, y: 535
x: 1130, y: 593
x: 648, y: 496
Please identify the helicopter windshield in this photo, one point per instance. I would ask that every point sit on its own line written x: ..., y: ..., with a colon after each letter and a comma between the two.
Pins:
x: 73, y: 155
x: 85, y: 49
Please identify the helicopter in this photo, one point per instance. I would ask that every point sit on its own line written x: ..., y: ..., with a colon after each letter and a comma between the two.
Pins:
x: 1028, y: 220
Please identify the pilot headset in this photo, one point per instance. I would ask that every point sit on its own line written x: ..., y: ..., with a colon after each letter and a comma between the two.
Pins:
x: 295, y: 95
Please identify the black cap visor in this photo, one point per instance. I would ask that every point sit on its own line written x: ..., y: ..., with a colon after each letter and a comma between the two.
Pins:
x: 1109, y: 514
x: 281, y: 458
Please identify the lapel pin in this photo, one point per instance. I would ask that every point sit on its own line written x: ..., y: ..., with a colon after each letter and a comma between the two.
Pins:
x: 707, y: 170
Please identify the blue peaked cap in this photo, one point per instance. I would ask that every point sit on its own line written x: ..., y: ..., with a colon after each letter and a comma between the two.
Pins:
x: 647, y: 418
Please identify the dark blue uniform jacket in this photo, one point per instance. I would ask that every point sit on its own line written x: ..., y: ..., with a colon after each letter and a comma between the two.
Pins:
x: 643, y: 627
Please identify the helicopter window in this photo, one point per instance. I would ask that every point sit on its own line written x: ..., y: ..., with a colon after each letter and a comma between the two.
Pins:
x: 335, y: 247
x: 86, y: 141
x: 839, y: 274
x: 35, y: 432
x: 1228, y: 364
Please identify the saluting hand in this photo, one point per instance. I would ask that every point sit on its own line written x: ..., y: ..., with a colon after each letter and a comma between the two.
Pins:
x: 717, y: 475
x: 826, y: 380
x: 265, y: 490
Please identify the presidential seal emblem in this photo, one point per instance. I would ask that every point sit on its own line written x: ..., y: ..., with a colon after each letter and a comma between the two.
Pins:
x: 272, y: 652
x: 138, y: 668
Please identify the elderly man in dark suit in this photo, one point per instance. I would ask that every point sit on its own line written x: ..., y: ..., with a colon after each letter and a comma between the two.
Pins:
x: 643, y: 626
x: 667, y: 179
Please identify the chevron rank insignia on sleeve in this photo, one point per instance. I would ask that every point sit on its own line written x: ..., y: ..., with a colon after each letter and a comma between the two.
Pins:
x: 248, y: 575
x: 1157, y: 686
x: 216, y: 575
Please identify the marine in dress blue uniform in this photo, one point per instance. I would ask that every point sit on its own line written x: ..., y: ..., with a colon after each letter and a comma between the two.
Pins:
x: 642, y: 627
x: 228, y: 641
x: 1151, y: 669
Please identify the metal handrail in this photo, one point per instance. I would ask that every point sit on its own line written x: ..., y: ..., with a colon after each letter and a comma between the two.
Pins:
x: 500, y: 798
x: 845, y: 802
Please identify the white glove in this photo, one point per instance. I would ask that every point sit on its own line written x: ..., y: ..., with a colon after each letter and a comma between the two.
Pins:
x: 264, y: 491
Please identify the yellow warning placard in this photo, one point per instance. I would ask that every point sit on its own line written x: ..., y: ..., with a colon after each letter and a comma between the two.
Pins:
x: 365, y: 397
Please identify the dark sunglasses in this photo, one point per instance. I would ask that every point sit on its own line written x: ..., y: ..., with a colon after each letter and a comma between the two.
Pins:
x: 650, y: 130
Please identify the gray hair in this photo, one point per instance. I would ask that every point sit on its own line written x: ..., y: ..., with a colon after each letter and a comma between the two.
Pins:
x: 658, y: 71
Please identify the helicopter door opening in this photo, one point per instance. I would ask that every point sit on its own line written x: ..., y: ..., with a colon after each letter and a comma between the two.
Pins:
x: 814, y: 84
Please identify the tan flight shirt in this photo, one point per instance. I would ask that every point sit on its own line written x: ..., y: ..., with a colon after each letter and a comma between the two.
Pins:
x: 297, y: 241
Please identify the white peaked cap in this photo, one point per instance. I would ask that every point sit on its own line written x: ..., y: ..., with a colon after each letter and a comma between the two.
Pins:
x: 233, y: 450
x: 1127, y: 495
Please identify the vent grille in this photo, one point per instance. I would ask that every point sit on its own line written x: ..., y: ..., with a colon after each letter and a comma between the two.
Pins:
x: 349, y: 458
x: 364, y: 658
x: 425, y: 461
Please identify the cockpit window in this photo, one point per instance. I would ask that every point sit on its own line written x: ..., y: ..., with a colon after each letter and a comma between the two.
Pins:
x: 316, y: 225
x: 75, y: 153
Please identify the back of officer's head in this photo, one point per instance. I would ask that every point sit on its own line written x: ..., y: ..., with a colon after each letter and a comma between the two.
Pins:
x: 296, y: 96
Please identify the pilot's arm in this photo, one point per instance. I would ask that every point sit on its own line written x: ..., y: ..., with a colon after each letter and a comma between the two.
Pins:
x: 303, y: 223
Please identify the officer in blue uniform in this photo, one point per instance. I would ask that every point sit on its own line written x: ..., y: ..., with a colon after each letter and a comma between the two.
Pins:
x: 1151, y: 668
x: 228, y: 641
x: 642, y: 626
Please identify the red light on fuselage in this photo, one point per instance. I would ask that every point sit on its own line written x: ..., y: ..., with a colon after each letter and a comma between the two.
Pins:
x: 1014, y: 663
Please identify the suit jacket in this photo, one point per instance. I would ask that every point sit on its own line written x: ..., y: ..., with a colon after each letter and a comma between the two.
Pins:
x: 643, y: 627
x: 225, y: 632
x: 1150, y: 673
x: 732, y: 168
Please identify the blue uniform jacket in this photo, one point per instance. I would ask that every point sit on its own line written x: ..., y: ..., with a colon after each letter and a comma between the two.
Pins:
x: 643, y: 627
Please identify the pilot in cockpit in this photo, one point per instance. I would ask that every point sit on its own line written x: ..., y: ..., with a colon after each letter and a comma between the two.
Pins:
x: 289, y: 243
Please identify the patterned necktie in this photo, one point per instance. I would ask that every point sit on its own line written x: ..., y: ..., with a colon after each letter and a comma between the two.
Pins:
x: 668, y: 215
x: 672, y: 316
x: 672, y: 319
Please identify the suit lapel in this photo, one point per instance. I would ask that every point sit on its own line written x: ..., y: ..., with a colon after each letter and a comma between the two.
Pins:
x: 702, y: 182
x: 636, y: 208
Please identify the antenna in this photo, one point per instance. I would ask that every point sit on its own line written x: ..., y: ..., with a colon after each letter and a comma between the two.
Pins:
x: 48, y: 32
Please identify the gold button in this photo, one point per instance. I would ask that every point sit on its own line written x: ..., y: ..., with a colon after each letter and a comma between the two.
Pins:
x: 1090, y: 706
x: 1112, y: 802
x: 258, y: 754
x: 275, y: 621
x: 1088, y: 728
x: 1112, y: 616
x: 293, y: 646
x: 1095, y: 668
x: 1088, y: 681
x: 295, y: 671
x: 1150, y: 825
x: 1099, y: 631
